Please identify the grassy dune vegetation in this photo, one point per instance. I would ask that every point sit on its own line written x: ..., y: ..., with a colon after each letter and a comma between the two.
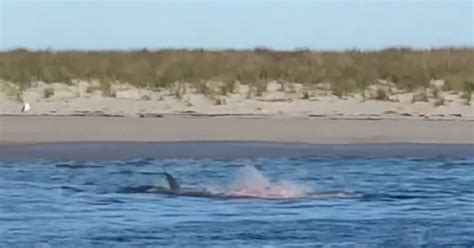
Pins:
x: 344, y: 71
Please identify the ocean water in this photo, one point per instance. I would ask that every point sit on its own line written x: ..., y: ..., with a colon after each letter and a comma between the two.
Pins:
x: 314, y: 201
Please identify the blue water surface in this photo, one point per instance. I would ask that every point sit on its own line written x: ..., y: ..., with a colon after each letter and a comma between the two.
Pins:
x: 386, y: 202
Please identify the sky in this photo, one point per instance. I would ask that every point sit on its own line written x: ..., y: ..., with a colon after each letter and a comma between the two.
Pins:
x: 244, y: 24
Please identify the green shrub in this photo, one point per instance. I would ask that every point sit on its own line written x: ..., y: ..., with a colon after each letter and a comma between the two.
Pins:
x: 346, y: 71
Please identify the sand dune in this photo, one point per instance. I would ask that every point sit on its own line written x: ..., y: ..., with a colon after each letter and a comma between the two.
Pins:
x: 276, y: 102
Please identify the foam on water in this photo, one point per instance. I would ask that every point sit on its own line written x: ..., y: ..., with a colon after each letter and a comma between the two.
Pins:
x: 250, y: 182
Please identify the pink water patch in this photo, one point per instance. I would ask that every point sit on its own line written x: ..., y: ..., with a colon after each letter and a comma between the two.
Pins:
x: 249, y: 182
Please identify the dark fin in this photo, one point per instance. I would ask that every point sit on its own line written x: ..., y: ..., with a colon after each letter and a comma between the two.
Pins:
x: 174, y: 186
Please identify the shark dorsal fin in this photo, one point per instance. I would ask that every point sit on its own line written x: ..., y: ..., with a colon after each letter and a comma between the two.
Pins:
x: 174, y: 186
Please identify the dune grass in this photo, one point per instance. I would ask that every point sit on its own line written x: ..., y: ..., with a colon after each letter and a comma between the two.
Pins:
x: 344, y: 71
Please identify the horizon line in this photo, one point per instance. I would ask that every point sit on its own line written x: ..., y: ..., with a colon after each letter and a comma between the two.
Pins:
x: 250, y: 49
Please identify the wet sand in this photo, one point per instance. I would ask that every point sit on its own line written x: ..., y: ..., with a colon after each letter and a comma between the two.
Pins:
x: 24, y: 130
x: 99, y: 151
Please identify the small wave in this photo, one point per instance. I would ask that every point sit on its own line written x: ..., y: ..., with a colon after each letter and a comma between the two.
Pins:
x: 71, y: 189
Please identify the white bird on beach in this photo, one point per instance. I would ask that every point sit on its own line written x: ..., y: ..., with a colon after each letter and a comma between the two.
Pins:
x: 25, y: 107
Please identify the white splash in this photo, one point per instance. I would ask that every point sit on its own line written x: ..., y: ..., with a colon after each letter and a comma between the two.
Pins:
x: 249, y: 182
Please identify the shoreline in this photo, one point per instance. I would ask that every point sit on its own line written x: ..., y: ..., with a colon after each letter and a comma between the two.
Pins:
x: 28, y: 130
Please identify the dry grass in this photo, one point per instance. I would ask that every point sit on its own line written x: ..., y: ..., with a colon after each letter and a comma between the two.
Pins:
x: 420, y: 97
x: 346, y: 71
x: 439, y: 101
x: 48, y: 92
x: 467, y: 91
x: 381, y: 95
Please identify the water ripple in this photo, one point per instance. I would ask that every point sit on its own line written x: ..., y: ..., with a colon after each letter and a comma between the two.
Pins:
x: 371, y: 202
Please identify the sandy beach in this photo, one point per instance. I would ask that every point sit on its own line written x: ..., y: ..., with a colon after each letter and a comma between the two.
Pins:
x: 21, y: 130
x: 71, y: 113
